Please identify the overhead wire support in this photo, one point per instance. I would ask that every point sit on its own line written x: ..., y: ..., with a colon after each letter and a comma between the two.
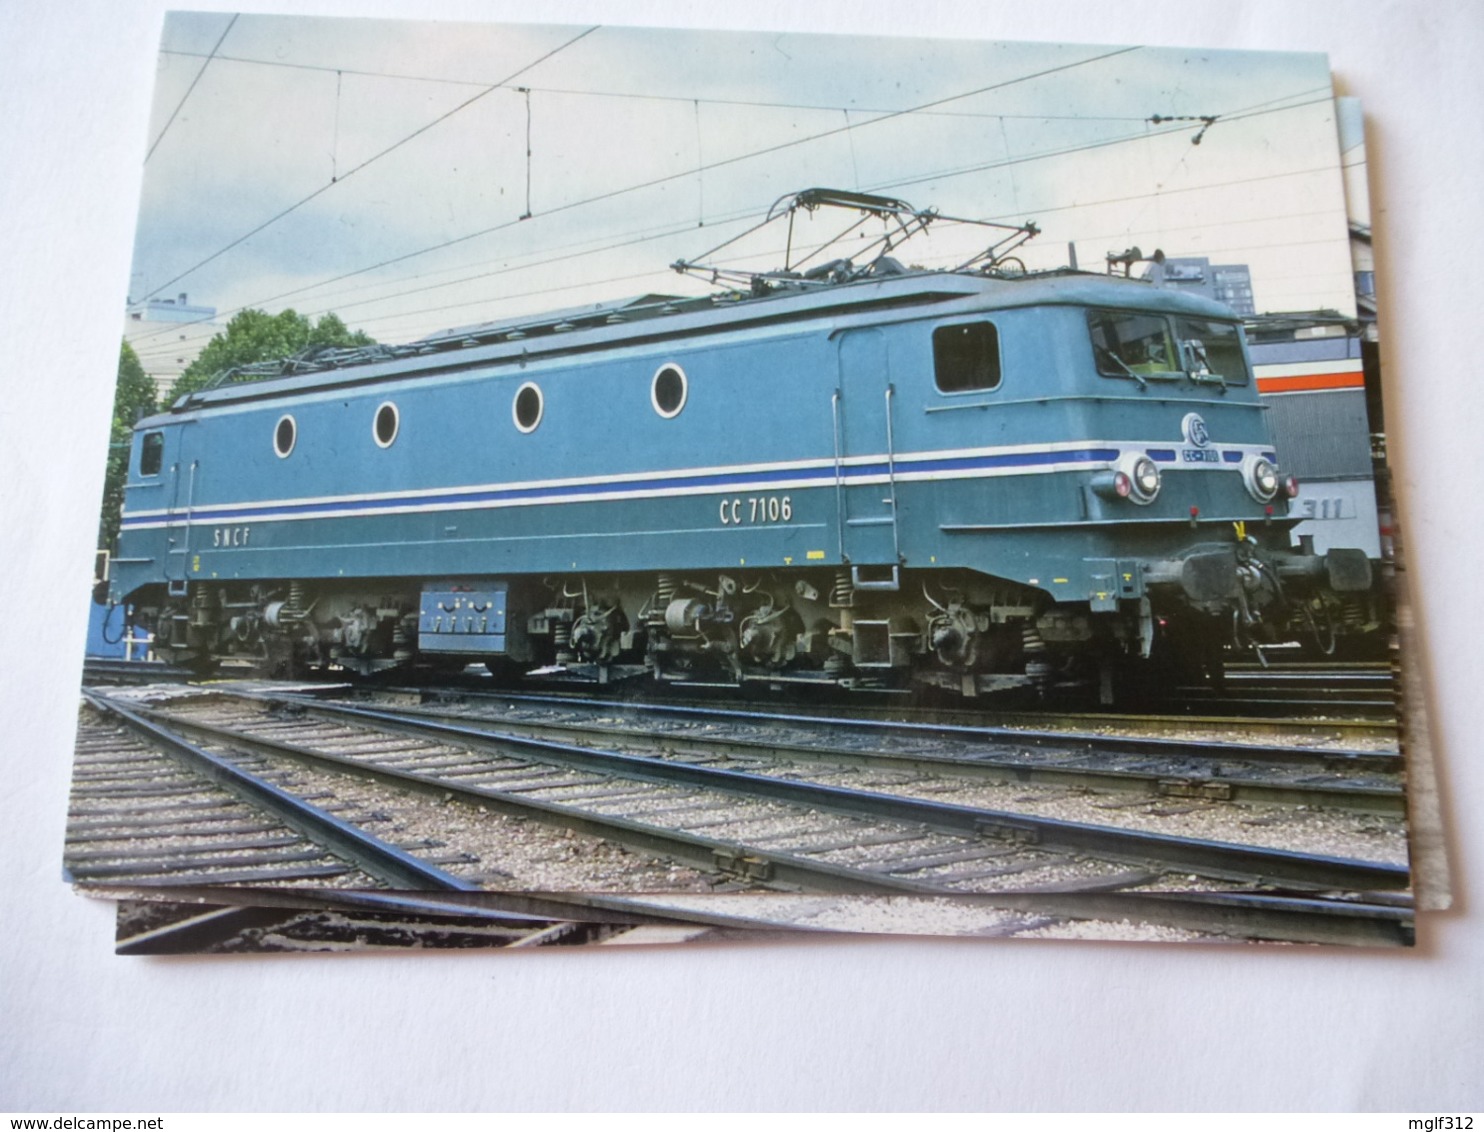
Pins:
x: 335, y: 142
x: 525, y: 90
x: 1206, y: 120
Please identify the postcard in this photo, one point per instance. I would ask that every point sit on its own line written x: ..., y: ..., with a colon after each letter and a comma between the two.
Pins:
x: 606, y: 485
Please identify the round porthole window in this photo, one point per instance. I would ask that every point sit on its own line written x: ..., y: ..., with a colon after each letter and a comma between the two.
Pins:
x: 384, y: 426
x: 527, y: 407
x: 668, y: 391
x: 284, y: 435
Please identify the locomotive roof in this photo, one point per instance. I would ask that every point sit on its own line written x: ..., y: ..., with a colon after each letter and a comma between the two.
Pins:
x: 655, y: 318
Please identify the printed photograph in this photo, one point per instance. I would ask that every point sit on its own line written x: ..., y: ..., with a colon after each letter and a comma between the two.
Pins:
x: 595, y: 485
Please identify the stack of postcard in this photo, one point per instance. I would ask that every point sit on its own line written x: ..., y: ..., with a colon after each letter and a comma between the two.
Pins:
x: 587, y: 485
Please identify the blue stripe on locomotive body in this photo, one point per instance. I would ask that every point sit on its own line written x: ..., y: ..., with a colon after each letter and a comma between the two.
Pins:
x: 787, y: 397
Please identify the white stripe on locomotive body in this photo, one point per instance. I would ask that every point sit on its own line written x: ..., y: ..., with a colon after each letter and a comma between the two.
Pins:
x: 611, y: 488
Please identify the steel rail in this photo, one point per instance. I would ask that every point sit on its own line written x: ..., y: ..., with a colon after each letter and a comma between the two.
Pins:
x: 733, y: 859
x: 1384, y: 800
x: 1246, y: 915
x: 376, y: 857
x: 1223, y: 860
x: 115, y: 669
x: 1379, y: 762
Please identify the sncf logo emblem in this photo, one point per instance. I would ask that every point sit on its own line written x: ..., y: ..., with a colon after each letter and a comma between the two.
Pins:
x: 1194, y: 428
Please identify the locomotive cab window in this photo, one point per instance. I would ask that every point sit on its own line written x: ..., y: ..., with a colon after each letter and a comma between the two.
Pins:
x: 1213, y: 350
x: 1126, y: 344
x: 152, y: 454
x: 966, y: 358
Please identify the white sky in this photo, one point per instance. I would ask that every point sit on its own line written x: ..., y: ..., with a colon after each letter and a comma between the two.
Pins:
x: 717, y: 126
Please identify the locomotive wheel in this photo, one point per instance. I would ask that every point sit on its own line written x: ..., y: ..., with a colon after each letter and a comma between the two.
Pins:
x: 279, y: 661
x: 202, y: 667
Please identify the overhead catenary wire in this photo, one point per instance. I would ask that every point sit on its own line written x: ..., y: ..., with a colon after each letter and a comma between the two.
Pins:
x: 488, y: 302
x: 276, y: 217
x: 630, y: 239
x: 586, y: 250
x: 749, y: 214
x: 1232, y: 116
x: 890, y: 116
x: 165, y: 129
x: 645, y: 96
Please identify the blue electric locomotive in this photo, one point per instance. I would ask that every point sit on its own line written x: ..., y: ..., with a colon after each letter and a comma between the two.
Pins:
x: 972, y: 477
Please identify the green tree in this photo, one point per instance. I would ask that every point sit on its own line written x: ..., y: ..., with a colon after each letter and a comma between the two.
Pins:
x: 133, y: 398
x: 256, y: 336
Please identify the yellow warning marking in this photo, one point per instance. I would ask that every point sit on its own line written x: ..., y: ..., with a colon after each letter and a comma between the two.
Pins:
x: 788, y: 561
x: 742, y: 562
x: 814, y: 555
x: 196, y: 564
x: 1059, y: 581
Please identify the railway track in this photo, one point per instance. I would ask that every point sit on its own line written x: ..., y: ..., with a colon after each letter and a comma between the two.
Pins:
x: 616, y: 790
x: 152, y: 811
x: 1352, y: 702
x: 752, y: 831
x: 1362, y: 780
x: 149, y: 809
x: 1309, y: 705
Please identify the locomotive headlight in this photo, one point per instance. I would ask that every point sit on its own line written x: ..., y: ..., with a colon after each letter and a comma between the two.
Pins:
x: 1143, y: 477
x: 1146, y: 478
x: 1262, y: 479
x: 1135, y: 478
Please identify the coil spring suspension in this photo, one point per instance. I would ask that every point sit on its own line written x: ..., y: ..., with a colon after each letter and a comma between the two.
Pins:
x: 401, y: 641
x: 561, y: 639
x: 842, y: 593
x: 664, y: 593
x: 1031, y: 640
x: 1353, y: 615
x: 293, y: 606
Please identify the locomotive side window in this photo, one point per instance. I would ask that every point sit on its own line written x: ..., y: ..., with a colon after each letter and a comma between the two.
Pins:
x: 284, y: 436
x: 527, y: 407
x: 384, y: 427
x: 152, y: 454
x: 966, y: 358
x: 1132, y: 345
x: 667, y: 392
x: 1213, y: 350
